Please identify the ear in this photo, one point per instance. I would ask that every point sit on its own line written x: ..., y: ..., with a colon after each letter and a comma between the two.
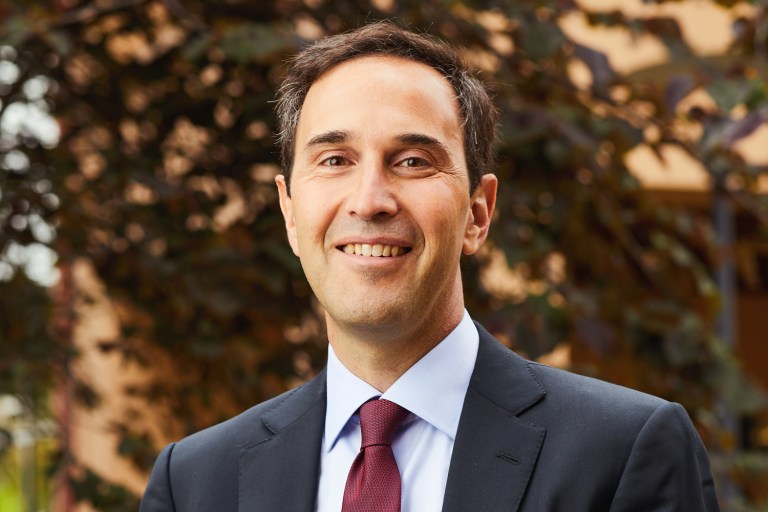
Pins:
x: 481, y: 207
x: 286, y: 206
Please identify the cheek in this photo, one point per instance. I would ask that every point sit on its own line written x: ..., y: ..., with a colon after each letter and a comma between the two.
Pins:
x: 306, y: 235
x: 447, y: 227
x: 450, y: 210
x: 313, y: 222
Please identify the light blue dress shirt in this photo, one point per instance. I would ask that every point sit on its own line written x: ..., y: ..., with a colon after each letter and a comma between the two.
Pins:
x: 433, y: 390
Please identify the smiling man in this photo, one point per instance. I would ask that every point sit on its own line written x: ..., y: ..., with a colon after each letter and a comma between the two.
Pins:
x: 380, y: 210
x: 386, y: 141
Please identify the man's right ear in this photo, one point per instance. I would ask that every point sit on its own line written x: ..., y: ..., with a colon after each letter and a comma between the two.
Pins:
x: 286, y: 206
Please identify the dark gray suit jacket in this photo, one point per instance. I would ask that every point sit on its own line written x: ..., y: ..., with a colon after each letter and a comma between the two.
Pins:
x: 531, y: 438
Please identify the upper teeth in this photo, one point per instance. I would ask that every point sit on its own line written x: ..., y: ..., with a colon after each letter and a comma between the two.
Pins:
x: 373, y: 249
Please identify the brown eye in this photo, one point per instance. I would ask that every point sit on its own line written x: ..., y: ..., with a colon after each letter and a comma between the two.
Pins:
x: 413, y: 161
x: 333, y: 161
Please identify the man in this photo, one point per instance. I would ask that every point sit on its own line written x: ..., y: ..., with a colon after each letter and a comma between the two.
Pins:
x: 386, y: 145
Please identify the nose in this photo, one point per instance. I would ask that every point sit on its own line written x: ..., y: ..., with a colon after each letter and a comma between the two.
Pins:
x: 372, y: 194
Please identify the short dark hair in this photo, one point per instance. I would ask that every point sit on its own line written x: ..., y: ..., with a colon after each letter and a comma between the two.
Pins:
x: 478, y: 112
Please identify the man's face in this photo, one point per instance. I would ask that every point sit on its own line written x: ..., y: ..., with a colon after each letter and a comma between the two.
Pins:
x: 379, y: 211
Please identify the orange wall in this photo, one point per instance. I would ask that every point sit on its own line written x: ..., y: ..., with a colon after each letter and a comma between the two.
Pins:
x: 752, y: 335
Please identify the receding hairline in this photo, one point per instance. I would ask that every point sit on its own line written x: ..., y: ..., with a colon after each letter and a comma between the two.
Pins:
x: 477, y: 114
x: 406, y: 137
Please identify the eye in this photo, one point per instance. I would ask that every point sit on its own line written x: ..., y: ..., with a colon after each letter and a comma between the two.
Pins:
x: 334, y: 161
x: 413, y: 161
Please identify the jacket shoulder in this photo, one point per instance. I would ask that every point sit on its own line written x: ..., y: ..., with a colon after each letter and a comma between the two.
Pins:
x: 250, y: 427
x: 588, y: 393
x: 202, y: 471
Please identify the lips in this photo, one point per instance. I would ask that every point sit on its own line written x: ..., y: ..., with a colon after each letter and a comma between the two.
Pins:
x: 374, y: 250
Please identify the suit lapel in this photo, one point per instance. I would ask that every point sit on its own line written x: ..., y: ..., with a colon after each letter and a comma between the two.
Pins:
x: 281, y: 472
x: 495, y: 452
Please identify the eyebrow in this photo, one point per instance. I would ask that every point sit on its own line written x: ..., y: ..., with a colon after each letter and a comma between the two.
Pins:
x: 332, y: 137
x: 418, y: 139
x: 407, y: 139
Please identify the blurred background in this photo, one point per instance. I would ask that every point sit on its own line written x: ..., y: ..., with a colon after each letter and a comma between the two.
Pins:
x: 147, y: 290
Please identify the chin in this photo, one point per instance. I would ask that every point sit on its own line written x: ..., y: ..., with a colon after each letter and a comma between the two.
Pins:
x: 371, y: 319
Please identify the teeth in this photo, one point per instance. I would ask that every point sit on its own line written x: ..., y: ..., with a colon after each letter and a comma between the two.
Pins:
x: 375, y: 250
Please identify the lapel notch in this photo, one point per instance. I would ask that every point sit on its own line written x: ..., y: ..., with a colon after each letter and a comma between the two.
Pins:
x: 493, y: 462
x: 281, y: 472
x: 495, y: 451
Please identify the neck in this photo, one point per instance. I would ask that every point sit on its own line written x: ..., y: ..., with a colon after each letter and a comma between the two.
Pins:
x: 380, y: 359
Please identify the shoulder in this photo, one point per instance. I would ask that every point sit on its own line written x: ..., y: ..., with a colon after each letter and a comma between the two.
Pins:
x: 564, y: 402
x: 610, y: 436
x: 609, y: 412
x: 556, y: 390
x: 201, y: 471
x: 572, y: 390
x: 250, y: 427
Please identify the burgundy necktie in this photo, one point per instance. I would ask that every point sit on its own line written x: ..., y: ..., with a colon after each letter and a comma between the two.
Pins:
x: 373, y: 484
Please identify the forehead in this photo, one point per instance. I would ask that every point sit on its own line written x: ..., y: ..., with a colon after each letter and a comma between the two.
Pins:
x: 385, y: 93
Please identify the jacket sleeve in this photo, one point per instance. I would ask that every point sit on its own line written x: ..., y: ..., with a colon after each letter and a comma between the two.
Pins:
x: 667, y: 469
x: 158, y: 496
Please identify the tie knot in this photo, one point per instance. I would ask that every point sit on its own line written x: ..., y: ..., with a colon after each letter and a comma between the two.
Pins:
x: 379, y: 420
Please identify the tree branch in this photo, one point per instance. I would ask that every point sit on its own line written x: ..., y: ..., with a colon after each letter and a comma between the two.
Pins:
x: 91, y: 11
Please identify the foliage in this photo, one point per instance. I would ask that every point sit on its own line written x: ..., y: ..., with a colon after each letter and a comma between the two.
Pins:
x: 25, y: 357
x: 160, y: 173
x: 91, y: 489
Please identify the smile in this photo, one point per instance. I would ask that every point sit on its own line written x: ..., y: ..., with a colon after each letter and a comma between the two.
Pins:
x: 374, y: 250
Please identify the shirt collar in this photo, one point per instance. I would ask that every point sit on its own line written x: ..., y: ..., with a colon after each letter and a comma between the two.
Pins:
x: 443, y: 372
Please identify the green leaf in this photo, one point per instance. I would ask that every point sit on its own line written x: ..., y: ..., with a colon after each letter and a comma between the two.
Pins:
x: 196, y: 47
x: 728, y: 93
x: 541, y: 40
x: 61, y: 42
x: 251, y: 42
x: 15, y: 30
